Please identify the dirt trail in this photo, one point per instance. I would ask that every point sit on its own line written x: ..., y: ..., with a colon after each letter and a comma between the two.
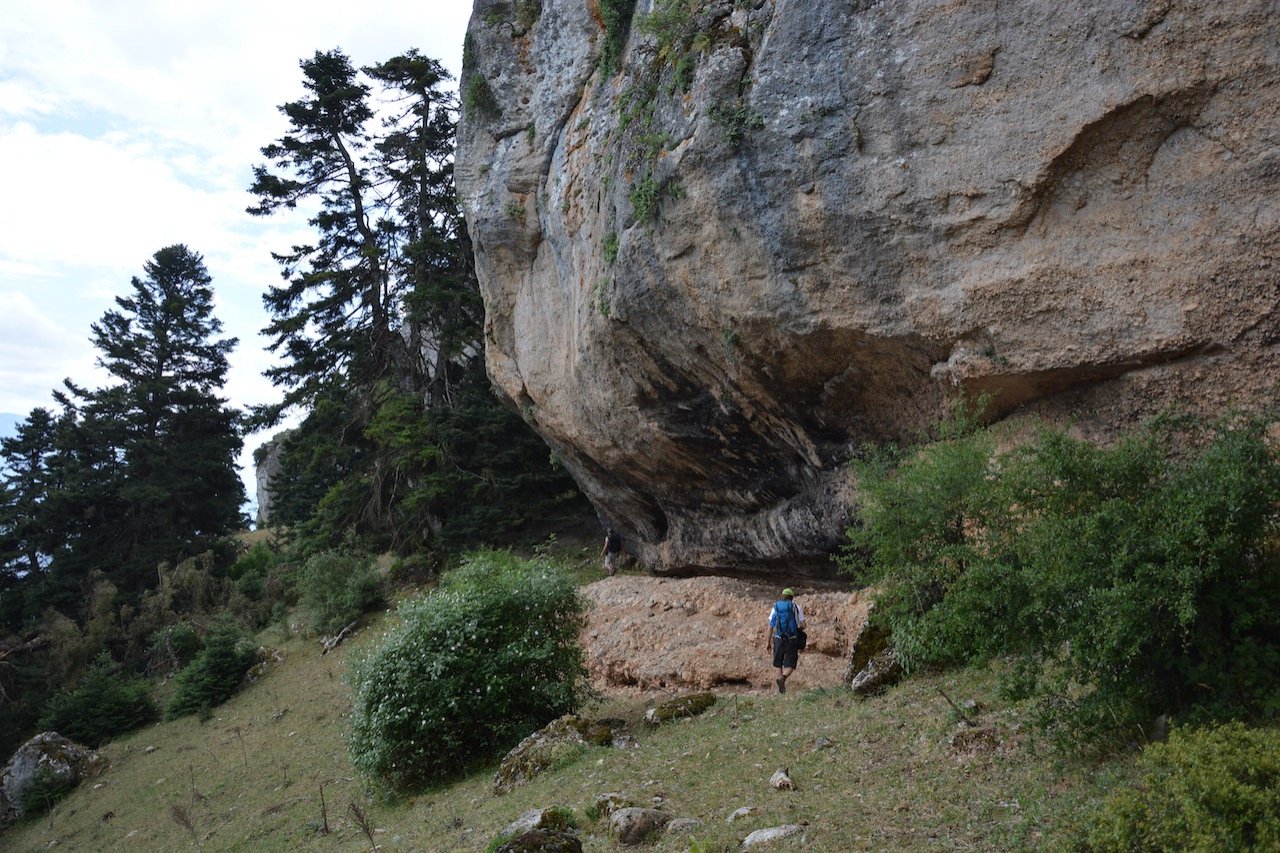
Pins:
x: 648, y: 634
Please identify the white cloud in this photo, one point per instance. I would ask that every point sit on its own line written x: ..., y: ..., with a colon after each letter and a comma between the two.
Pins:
x: 36, y: 354
x: 132, y: 125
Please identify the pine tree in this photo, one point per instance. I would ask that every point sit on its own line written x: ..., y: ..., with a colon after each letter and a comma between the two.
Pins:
x: 156, y: 452
x: 334, y: 315
x: 380, y: 321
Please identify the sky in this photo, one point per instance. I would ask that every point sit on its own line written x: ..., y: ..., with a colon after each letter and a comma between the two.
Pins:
x: 131, y: 125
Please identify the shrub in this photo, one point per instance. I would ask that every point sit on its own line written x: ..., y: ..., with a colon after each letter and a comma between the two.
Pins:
x: 473, y: 667
x: 337, y: 588
x: 479, y: 98
x: 44, y: 790
x: 1128, y: 581
x: 215, y: 674
x: 1215, y: 788
x: 105, y: 704
x: 251, y: 569
x: 617, y: 26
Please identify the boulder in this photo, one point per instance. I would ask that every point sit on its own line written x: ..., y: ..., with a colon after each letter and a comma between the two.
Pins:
x: 715, y: 268
x: 708, y: 633
x: 882, y: 671
x: 681, y: 707
x: 636, y: 825
x: 873, y: 664
x: 554, y: 742
x: 684, y: 826
x: 764, y: 837
x: 543, y: 841
x: 554, y: 818
x: 48, y: 763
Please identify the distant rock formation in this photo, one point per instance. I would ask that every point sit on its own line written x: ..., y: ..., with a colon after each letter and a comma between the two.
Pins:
x: 785, y: 229
x: 266, y: 465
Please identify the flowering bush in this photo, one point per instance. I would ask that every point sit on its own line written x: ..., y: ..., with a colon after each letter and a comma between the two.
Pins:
x: 474, y: 667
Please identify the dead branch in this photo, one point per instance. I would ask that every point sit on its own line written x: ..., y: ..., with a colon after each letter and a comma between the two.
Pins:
x: 331, y: 643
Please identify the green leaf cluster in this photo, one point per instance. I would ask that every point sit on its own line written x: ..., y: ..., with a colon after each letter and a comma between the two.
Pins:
x: 337, y: 588
x: 473, y: 667
x: 617, y: 26
x: 215, y: 674
x: 105, y: 704
x: 1213, y: 788
x: 1126, y: 581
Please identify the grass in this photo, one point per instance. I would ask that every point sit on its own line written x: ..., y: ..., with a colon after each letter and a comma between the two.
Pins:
x: 250, y: 778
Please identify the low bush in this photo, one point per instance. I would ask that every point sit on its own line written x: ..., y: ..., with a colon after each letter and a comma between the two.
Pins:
x: 251, y: 570
x: 336, y: 588
x: 171, y: 648
x: 105, y: 704
x: 1215, y: 788
x: 44, y: 790
x: 473, y: 667
x: 1127, y: 581
x: 215, y: 674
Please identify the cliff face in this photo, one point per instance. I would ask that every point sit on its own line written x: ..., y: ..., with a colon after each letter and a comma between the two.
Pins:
x: 785, y: 228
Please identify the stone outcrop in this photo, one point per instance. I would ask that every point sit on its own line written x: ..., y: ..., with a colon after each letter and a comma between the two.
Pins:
x: 554, y: 742
x: 49, y: 761
x: 266, y: 466
x: 785, y: 228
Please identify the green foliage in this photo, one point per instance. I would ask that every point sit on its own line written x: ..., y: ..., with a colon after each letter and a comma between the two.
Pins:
x: 44, y: 790
x: 479, y: 99
x: 735, y: 121
x: 527, y: 14
x: 617, y: 26
x: 610, y: 247
x: 337, y: 588
x: 215, y: 674
x: 675, y: 26
x: 473, y: 667
x: 1128, y: 581
x: 106, y: 485
x: 107, y: 703
x: 644, y: 196
x: 1216, y: 788
x: 601, y: 298
x: 172, y: 647
x: 252, y: 569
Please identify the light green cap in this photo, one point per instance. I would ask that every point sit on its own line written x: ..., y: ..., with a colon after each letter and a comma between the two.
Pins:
x: 789, y: 591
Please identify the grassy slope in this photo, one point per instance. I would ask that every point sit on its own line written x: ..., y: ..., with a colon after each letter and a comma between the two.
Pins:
x: 249, y: 779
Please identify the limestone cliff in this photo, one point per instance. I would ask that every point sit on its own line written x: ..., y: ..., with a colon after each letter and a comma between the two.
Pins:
x: 723, y: 244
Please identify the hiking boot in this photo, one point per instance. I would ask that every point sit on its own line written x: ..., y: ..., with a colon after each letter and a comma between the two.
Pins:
x: 782, y: 685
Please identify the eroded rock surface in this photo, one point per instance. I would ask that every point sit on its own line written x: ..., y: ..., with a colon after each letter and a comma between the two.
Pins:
x: 785, y: 229
x: 705, y: 633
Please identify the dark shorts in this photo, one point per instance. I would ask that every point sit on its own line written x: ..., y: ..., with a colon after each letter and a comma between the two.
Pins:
x: 785, y: 653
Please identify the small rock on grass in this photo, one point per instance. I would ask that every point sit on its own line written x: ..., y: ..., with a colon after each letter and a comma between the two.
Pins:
x: 636, y: 826
x: 761, y: 837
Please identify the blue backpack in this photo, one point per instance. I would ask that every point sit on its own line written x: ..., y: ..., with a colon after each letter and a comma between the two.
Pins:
x: 785, y: 626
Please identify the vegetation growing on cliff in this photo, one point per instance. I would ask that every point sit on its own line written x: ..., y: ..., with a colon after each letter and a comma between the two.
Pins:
x: 1127, y: 582
x: 617, y: 26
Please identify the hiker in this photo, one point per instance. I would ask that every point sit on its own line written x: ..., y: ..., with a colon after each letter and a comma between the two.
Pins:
x: 611, y: 550
x: 786, y: 620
